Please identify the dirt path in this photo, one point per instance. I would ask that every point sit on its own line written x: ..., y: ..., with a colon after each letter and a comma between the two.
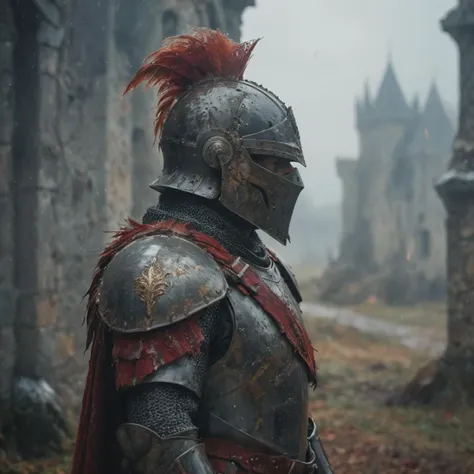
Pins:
x: 409, y: 336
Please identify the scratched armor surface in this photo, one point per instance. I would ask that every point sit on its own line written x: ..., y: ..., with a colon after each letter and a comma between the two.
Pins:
x: 156, y: 281
x: 257, y: 394
x: 245, y: 361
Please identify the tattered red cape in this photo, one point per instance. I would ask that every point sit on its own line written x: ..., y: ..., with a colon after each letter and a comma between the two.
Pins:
x: 96, y: 447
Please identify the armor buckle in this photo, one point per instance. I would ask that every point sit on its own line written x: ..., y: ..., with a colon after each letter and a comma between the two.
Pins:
x: 237, y: 270
x: 241, y: 273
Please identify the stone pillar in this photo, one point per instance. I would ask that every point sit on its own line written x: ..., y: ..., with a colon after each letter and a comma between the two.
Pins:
x: 119, y: 155
x: 147, y: 161
x: 456, y: 189
x: 81, y: 210
x: 29, y: 151
x: 37, y: 153
x: 132, y: 160
x: 7, y: 292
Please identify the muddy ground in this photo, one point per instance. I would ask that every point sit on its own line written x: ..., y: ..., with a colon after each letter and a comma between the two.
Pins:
x: 359, y: 369
x: 362, y: 367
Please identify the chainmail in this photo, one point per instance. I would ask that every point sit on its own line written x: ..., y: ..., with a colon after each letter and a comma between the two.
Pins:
x: 236, y: 235
x: 168, y: 409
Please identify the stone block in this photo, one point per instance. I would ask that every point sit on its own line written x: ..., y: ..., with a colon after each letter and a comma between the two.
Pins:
x: 46, y: 309
x: 6, y: 107
x: 7, y: 361
x: 37, y: 239
x: 36, y: 353
x: 48, y: 60
x: 6, y: 241
x: 50, y: 36
x: 26, y: 241
x: 47, y: 247
x: 49, y: 155
x: 119, y: 195
x: 72, y: 309
x: 38, y: 310
x: 5, y: 169
x: 66, y: 345
x: 26, y: 311
x: 49, y: 10
x: 48, y: 106
x: 7, y: 306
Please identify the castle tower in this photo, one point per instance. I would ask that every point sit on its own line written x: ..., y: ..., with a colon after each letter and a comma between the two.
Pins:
x: 389, y: 111
x: 434, y: 133
x: 381, y: 123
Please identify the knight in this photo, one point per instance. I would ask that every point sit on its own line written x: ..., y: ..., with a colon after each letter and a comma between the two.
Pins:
x: 200, y: 361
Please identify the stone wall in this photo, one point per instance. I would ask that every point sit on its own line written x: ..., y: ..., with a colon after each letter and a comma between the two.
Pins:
x: 7, y: 282
x: 75, y: 160
x: 456, y: 191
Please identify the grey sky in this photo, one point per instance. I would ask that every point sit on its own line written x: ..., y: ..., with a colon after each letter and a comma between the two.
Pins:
x: 316, y: 54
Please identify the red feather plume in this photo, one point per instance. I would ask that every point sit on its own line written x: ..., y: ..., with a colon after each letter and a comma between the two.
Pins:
x: 187, y: 59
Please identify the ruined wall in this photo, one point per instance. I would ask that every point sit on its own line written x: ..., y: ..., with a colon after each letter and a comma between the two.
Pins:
x: 118, y: 157
x: 7, y: 284
x: 82, y: 181
x: 75, y: 160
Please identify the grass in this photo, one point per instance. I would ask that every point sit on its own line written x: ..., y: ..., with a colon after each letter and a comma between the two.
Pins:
x: 358, y: 373
x: 427, y: 316
x: 361, y: 434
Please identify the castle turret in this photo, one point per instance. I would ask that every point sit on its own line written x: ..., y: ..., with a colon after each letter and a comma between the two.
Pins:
x: 389, y: 105
x: 434, y: 132
x: 381, y: 122
x: 364, y: 104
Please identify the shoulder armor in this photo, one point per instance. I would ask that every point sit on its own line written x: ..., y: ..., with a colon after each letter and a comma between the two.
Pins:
x: 157, y: 281
x: 288, y: 276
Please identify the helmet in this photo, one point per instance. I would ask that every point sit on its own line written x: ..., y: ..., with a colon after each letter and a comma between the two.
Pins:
x: 214, y: 129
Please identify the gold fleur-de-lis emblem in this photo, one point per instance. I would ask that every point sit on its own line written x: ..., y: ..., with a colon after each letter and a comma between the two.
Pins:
x: 149, y: 286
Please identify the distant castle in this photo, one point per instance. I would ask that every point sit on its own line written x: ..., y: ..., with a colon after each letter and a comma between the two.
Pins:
x: 390, y: 210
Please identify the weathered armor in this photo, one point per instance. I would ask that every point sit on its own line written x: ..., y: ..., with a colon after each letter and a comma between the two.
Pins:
x: 208, y: 141
x: 157, y: 281
x: 255, y: 394
x: 199, y: 321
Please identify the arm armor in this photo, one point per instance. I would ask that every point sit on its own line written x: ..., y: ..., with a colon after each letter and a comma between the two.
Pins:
x: 165, y: 404
x: 157, y: 281
x: 147, y: 453
x: 316, y: 450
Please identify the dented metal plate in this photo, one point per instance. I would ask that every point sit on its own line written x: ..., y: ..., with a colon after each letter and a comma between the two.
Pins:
x: 157, y: 281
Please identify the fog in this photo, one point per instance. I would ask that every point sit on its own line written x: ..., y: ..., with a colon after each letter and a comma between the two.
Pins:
x: 316, y: 55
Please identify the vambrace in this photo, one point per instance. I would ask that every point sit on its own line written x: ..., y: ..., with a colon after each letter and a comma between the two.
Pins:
x: 315, y: 447
x: 160, y: 434
x: 147, y: 453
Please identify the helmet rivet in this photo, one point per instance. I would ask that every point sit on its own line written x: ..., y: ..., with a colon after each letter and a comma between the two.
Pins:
x: 217, y: 151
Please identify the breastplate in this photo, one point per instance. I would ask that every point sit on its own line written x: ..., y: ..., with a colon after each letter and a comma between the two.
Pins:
x: 257, y: 394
